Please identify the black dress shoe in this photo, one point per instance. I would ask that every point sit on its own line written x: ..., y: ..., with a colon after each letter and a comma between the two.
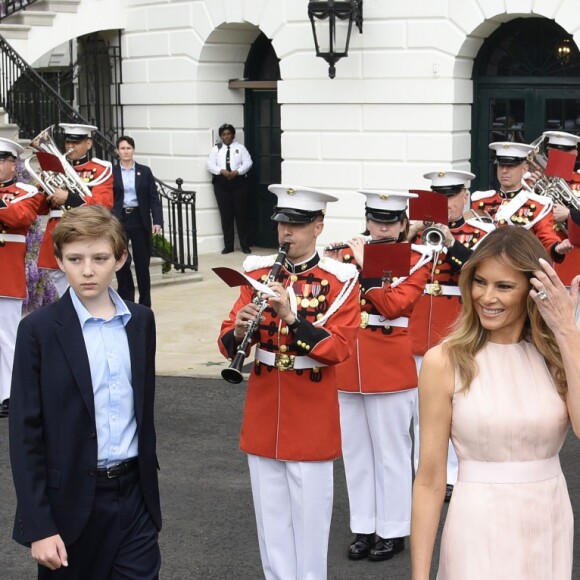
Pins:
x: 448, y: 492
x: 4, y: 408
x: 227, y: 250
x: 247, y: 250
x: 386, y: 548
x: 361, y: 546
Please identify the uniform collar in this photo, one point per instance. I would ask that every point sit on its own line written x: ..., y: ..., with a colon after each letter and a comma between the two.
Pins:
x: 509, y: 194
x: 302, y: 266
x: 456, y: 223
x: 80, y: 161
x: 8, y: 183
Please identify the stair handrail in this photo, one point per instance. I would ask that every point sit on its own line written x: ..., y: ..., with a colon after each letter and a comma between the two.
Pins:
x: 9, y: 7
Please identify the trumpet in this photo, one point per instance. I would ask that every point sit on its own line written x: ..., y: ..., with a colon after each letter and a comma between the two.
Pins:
x: 434, y: 238
x: 233, y: 374
x: 368, y: 240
x: 51, y: 180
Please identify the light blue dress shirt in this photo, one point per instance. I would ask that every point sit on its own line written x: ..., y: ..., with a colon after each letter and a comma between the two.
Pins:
x: 129, y: 191
x: 110, y: 362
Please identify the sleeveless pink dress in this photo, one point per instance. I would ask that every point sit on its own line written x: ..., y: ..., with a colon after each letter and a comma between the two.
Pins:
x: 510, y: 516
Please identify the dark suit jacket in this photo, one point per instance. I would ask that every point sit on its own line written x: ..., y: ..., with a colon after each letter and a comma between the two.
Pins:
x: 147, y: 195
x: 53, y: 441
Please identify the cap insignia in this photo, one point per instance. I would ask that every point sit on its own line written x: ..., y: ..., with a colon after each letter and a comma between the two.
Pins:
x: 290, y: 191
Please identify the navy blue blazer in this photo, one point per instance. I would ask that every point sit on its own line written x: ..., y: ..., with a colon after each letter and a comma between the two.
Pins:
x: 147, y: 195
x: 53, y: 441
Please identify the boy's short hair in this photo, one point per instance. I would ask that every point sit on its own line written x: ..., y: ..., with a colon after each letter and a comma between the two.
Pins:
x: 129, y: 140
x: 89, y: 222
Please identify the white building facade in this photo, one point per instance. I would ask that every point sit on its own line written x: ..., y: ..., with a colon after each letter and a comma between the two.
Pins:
x: 402, y: 102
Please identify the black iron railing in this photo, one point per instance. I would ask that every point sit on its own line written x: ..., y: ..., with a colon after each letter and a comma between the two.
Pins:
x: 180, y: 227
x: 8, y: 7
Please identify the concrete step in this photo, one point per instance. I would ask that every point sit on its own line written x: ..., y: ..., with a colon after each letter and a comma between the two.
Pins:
x: 58, y: 5
x: 32, y: 17
x: 14, y: 31
x: 158, y: 278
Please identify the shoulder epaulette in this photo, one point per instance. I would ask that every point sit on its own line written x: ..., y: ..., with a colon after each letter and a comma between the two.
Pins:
x: 342, y: 271
x: 477, y: 195
x: 253, y: 262
x: 102, y: 162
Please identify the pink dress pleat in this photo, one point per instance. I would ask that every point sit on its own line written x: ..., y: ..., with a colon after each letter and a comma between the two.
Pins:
x: 511, y: 521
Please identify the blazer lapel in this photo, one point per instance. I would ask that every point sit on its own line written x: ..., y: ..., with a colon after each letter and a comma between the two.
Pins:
x: 137, y: 349
x: 70, y: 336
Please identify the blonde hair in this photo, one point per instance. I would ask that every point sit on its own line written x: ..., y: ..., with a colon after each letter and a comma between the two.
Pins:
x: 89, y: 222
x: 521, y: 250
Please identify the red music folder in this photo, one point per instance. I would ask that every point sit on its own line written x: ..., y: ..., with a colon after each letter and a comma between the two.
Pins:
x: 386, y: 260
x: 428, y: 207
x: 561, y: 164
x: 49, y: 162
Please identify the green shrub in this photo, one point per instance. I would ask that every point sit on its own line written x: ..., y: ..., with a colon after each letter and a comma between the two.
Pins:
x: 163, y: 249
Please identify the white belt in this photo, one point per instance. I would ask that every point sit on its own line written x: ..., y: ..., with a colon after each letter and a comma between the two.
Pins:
x: 509, y: 471
x: 54, y: 213
x: 441, y: 290
x: 378, y: 320
x: 12, y: 238
x: 286, y: 362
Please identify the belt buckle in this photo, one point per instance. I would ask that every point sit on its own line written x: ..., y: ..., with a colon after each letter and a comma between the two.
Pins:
x: 435, y: 289
x: 364, y: 319
x: 110, y: 474
x: 284, y: 362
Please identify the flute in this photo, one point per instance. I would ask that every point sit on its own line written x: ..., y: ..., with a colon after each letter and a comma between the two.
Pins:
x: 368, y: 240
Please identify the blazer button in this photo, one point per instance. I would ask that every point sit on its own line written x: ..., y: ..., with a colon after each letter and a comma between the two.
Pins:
x: 92, y: 471
x: 93, y: 435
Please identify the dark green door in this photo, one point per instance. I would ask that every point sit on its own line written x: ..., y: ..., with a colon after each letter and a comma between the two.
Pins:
x: 263, y: 139
x: 526, y: 81
x: 520, y: 114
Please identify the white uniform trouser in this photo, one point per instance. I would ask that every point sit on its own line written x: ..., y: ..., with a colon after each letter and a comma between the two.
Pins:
x: 10, y: 315
x: 293, y: 505
x: 58, y: 278
x: 376, y: 448
x: 452, y: 464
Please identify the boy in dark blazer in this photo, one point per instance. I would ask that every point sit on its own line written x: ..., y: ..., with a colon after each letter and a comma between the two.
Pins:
x: 138, y: 207
x: 82, y: 435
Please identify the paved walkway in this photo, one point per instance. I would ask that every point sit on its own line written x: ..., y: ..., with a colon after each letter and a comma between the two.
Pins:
x: 189, y: 316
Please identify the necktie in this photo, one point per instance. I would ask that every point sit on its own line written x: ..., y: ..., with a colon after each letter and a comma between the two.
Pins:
x: 228, y: 166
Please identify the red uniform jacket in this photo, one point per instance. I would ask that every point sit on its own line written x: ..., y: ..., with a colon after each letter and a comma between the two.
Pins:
x: 383, y: 361
x: 293, y: 414
x: 440, y: 304
x: 524, y: 209
x: 98, y: 175
x: 570, y: 267
x: 19, y: 203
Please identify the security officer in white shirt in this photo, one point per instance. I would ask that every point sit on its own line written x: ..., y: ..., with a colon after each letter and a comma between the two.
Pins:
x: 229, y: 163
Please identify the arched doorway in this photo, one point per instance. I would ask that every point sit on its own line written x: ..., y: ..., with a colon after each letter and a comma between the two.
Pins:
x: 526, y: 81
x: 263, y: 136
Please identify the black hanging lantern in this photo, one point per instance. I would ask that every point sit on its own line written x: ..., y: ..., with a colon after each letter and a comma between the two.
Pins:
x: 332, y: 42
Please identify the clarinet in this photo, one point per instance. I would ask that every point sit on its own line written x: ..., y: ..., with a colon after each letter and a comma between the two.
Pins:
x: 233, y: 374
x: 368, y: 240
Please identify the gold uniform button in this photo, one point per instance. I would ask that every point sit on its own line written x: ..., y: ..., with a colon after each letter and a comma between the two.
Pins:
x: 533, y: 206
x: 306, y: 347
x: 321, y: 298
x: 283, y: 348
x: 284, y: 331
x: 324, y: 282
x: 363, y: 302
x: 305, y: 303
x: 346, y: 258
x: 437, y: 271
x: 293, y: 278
x: 319, y: 316
x: 313, y: 303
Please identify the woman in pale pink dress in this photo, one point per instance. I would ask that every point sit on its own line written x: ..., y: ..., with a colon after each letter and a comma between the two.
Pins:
x: 506, y: 387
